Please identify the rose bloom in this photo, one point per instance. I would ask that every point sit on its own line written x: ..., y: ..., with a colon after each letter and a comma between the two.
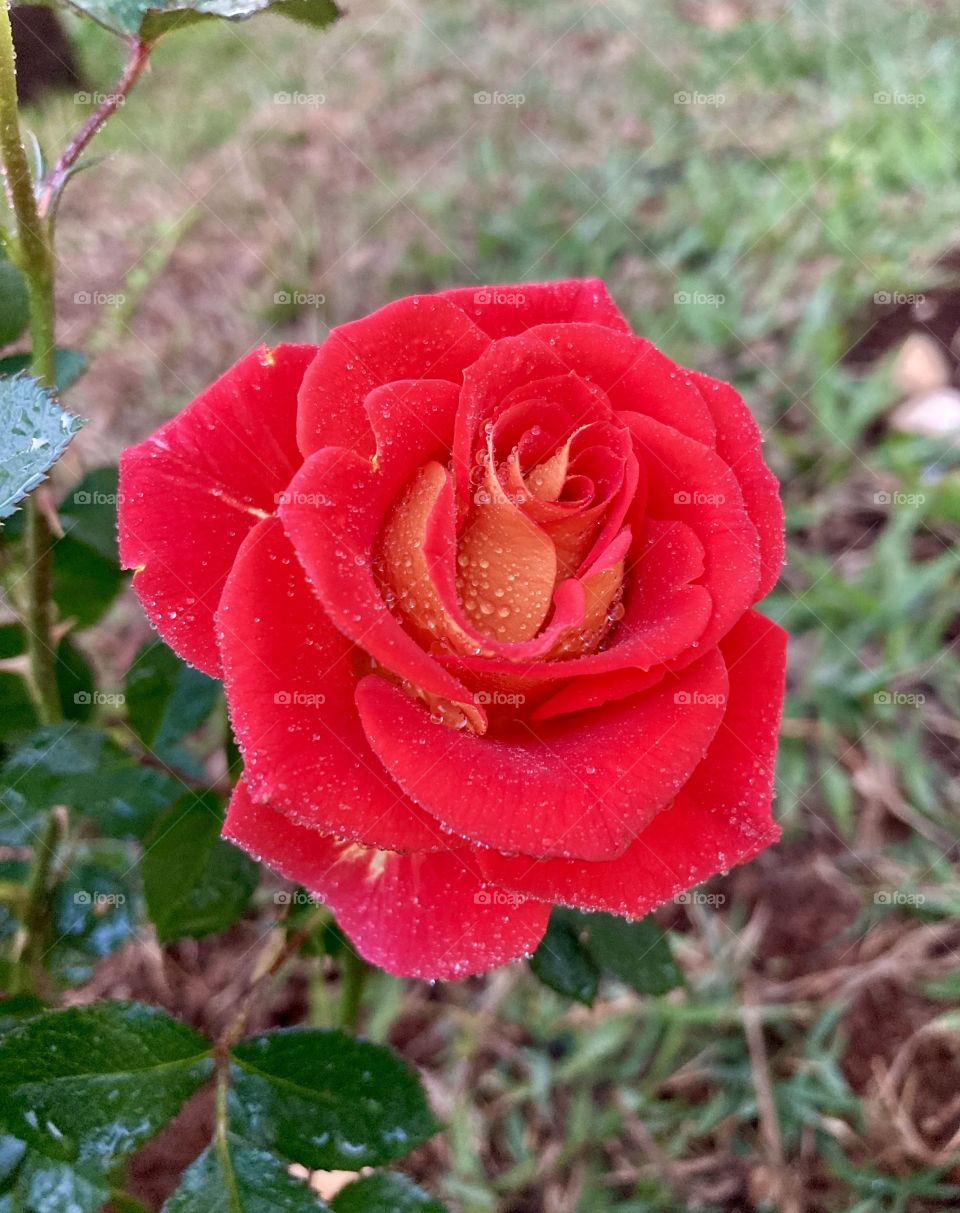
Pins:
x: 477, y: 573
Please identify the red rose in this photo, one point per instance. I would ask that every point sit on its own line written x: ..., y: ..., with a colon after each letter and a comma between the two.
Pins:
x: 477, y: 573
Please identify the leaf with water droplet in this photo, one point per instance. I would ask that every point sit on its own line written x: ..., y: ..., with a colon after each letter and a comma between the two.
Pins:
x: 34, y: 433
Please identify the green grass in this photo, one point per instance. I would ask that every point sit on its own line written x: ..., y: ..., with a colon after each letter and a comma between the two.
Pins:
x: 788, y: 205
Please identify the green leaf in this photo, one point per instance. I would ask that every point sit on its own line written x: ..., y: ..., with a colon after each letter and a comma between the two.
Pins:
x: 86, y: 572
x: 45, y: 1186
x: 149, y: 19
x: 232, y: 1176
x: 75, y: 683
x: 195, y: 883
x: 88, y: 513
x: 14, y: 302
x: 80, y: 767
x: 69, y: 366
x: 563, y: 963
x: 12, y: 1011
x: 323, y: 1099
x: 89, y: 1085
x: 166, y: 699
x: 18, y: 713
x: 637, y: 953
x: 385, y: 1192
x: 34, y: 433
x: 93, y: 912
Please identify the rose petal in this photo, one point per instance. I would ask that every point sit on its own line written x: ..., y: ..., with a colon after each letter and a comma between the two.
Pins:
x: 738, y: 444
x: 191, y: 492
x: 420, y: 337
x: 722, y: 817
x: 579, y: 788
x: 334, y: 511
x: 418, y: 915
x: 290, y: 683
x: 504, y: 311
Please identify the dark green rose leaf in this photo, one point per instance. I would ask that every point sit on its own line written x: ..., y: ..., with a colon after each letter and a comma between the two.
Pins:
x: 323, y: 1099
x: 148, y: 19
x: 42, y: 1185
x: 18, y: 714
x: 93, y: 910
x: 80, y: 767
x: 12, y: 1011
x: 14, y: 302
x: 69, y: 366
x: 88, y: 1085
x: 34, y: 433
x: 385, y: 1192
x: 195, y: 883
x: 86, y: 571
x: 563, y: 963
x: 166, y: 699
x: 638, y: 953
x: 232, y: 1176
x: 88, y: 513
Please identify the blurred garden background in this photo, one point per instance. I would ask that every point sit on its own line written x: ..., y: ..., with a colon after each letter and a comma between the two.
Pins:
x: 771, y: 190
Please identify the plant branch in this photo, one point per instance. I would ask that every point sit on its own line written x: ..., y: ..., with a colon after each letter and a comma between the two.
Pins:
x: 55, y: 179
x: 28, y: 940
x: 34, y: 256
x: 355, y: 974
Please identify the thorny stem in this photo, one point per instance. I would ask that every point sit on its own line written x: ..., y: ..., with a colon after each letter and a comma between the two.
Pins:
x: 54, y: 181
x: 33, y: 255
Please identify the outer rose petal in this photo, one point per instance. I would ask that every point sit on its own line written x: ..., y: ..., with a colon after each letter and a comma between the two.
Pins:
x: 421, y: 915
x: 192, y: 491
x: 290, y: 682
x: 420, y: 337
x: 738, y: 444
x: 504, y: 311
x: 578, y: 788
x: 722, y: 816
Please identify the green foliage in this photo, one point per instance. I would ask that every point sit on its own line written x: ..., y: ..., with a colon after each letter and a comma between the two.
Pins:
x: 385, y: 1192
x: 323, y: 1099
x: 34, y: 433
x: 195, y: 883
x: 232, y: 1176
x: 578, y: 948
x: 14, y: 302
x: 165, y: 698
x: 69, y: 366
x: 80, y: 767
x: 88, y: 1085
x: 86, y: 572
x: 149, y: 19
